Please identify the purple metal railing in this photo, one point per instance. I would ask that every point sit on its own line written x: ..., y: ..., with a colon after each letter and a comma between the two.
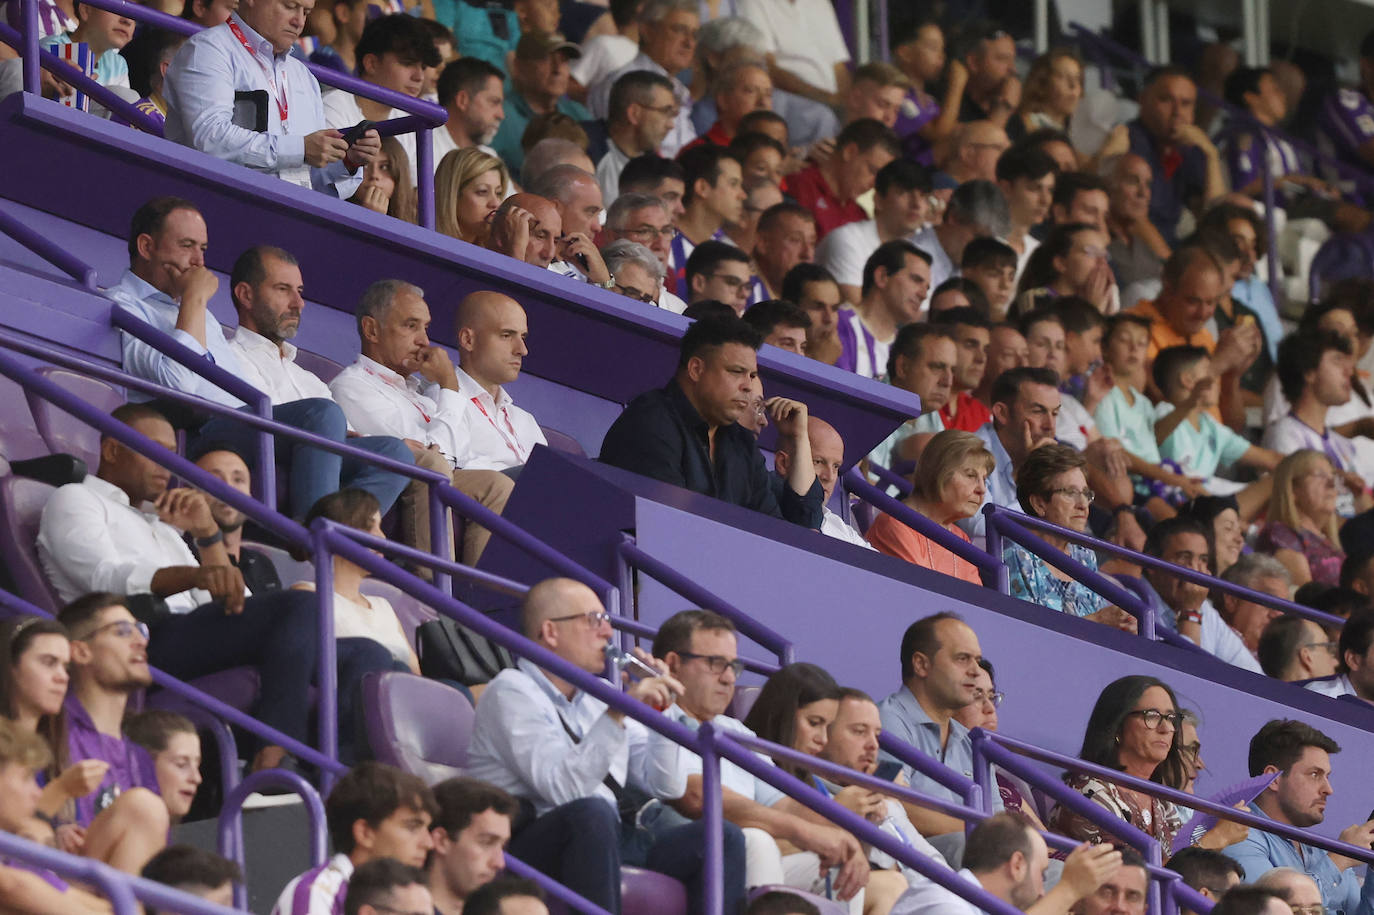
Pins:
x: 49, y: 250
x: 989, y: 564
x: 420, y: 116
x: 631, y: 556
x: 1026, y: 523
x: 553, y: 888
x: 231, y: 819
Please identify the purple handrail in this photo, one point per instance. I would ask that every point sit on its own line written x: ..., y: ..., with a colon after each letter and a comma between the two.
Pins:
x: 927, y: 765
x: 1201, y: 578
x: 123, y: 891
x: 1264, y: 824
x: 890, y: 477
x: 991, y: 567
x: 1001, y: 520
x: 231, y: 820
x: 633, y: 556
x: 49, y: 250
x: 421, y: 116
x: 553, y: 887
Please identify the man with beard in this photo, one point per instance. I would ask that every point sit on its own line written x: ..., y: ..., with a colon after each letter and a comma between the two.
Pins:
x: 259, y: 574
x: 1302, y: 756
x: 472, y: 92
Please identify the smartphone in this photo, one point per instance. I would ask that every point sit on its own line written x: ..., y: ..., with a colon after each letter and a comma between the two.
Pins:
x: 355, y: 133
x: 888, y: 770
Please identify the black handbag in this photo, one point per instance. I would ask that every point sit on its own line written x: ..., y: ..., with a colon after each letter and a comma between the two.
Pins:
x: 450, y: 651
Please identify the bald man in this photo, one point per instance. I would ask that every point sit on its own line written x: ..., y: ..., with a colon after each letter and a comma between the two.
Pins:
x: 409, y: 387
x: 527, y: 227
x: 827, y: 455
x: 571, y: 758
x: 1297, y: 889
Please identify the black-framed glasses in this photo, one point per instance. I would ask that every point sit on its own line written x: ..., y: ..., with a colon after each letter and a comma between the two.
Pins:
x: 633, y: 293
x: 994, y: 697
x: 594, y: 618
x: 715, y: 662
x: 1153, y: 716
x: 124, y: 629
x: 647, y: 232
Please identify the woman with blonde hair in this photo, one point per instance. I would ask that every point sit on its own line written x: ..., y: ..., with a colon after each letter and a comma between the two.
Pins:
x: 386, y: 188
x: 1050, y: 96
x: 468, y: 187
x: 1301, y: 529
x: 948, y: 485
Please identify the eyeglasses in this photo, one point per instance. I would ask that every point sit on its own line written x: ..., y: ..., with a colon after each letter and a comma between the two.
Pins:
x: 1087, y: 495
x: 715, y: 662
x: 124, y: 629
x: 1153, y: 716
x: 994, y: 697
x: 647, y: 232
x: 1332, y: 647
x: 1315, y: 908
x: 633, y: 293
x: 594, y: 618
x: 1190, y: 751
x: 669, y: 110
x: 734, y: 282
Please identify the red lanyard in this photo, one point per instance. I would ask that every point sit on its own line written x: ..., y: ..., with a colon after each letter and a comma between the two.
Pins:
x: 403, y: 390
x: 512, y: 445
x: 283, y: 103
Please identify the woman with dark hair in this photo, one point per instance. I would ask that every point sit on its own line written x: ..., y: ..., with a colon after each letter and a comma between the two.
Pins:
x: 982, y: 713
x: 1072, y: 260
x: 33, y: 687
x: 1220, y: 516
x: 1134, y: 728
x: 795, y: 708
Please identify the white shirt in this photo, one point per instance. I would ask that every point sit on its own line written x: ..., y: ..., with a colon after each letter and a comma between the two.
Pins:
x: 845, y: 250
x: 1029, y: 243
x: 668, y: 301
x: 341, y: 111
x: 929, y: 898
x: 941, y: 267
x: 1276, y: 406
x: 1075, y: 423
x: 832, y: 525
x: 91, y: 539
x: 1335, y: 687
x: 445, y: 144
x: 803, y: 36
x: 520, y: 743
x: 272, y: 369
x: 200, y: 88
x: 883, y: 452
x: 158, y: 309
x: 602, y: 55
x: 501, y: 435
x: 376, y: 621
x: 1221, y: 640
x: 318, y: 891
x: 682, y: 132
x: 732, y: 776
x: 608, y: 172
x: 1289, y: 434
x: 870, y: 362
x: 378, y: 401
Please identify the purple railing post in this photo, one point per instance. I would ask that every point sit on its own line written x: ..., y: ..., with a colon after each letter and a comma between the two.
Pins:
x: 327, y: 675
x: 49, y: 250
x: 884, y: 31
x: 440, y: 535
x: 424, y: 171
x: 713, y: 823
x: 982, y: 774
x: 1271, y: 240
x: 992, y: 542
x: 32, y: 81
x: 230, y: 833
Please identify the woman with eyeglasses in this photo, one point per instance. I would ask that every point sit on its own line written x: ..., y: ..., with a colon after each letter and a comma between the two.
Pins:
x: 1072, y: 260
x: 1052, y: 486
x: 1302, y: 529
x: 1134, y: 728
x: 982, y: 713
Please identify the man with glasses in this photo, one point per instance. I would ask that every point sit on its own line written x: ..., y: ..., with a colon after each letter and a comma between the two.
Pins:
x: 719, y: 272
x: 635, y: 272
x: 699, y: 649
x: 647, y: 220
x: 1300, y: 891
x: 1302, y: 756
x: 642, y: 111
x: 584, y: 771
x: 120, y: 530
x: 1294, y: 650
x: 1355, y: 672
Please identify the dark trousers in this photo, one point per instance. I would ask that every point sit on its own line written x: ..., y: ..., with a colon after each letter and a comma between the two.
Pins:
x: 314, y: 473
x: 582, y: 845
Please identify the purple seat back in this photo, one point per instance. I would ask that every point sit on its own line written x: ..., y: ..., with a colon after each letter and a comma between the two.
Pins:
x: 21, y: 508
x: 64, y: 433
x: 742, y: 701
x: 644, y: 892
x: 562, y: 441
x: 322, y: 367
x: 289, y: 570
x: 418, y: 725
x: 823, y: 905
x: 1340, y: 257
x: 18, y: 439
x: 236, y: 687
x: 409, y: 611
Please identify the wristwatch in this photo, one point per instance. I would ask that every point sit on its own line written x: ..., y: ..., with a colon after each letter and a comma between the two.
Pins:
x: 1190, y: 616
x: 609, y: 284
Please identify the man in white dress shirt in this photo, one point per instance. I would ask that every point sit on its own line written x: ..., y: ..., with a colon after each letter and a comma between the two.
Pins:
x: 234, y: 91
x: 576, y: 763
x: 402, y: 385
x: 827, y: 454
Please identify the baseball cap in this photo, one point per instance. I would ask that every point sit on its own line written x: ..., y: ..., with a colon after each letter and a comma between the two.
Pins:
x: 538, y: 45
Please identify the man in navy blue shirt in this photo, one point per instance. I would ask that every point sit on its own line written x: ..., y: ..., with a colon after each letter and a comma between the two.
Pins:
x: 686, y: 433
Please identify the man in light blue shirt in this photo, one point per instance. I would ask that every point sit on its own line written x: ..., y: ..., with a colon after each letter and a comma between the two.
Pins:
x: 940, y: 655
x: 1025, y: 411
x: 235, y: 92
x: 576, y: 763
x: 168, y: 287
x: 1302, y: 756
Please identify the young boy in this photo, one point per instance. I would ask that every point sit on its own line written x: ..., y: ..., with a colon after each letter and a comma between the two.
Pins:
x: 26, y: 888
x: 104, y: 33
x: 992, y: 265
x: 1191, y: 437
x: 1127, y: 415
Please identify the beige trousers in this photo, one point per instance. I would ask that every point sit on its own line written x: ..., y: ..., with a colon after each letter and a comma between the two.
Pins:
x: 489, y: 487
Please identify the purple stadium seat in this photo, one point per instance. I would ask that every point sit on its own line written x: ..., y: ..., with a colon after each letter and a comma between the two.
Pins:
x: 418, y: 725
x: 826, y: 906
x: 409, y: 610
x: 742, y: 701
x: 647, y: 893
x: 321, y: 367
x: 288, y: 570
x: 64, y: 433
x: 18, y: 440
x: 562, y: 441
x: 1340, y: 257
x: 21, y: 508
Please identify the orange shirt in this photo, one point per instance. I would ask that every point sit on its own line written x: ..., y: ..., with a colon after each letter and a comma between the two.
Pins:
x: 1163, y: 335
x: 890, y: 536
